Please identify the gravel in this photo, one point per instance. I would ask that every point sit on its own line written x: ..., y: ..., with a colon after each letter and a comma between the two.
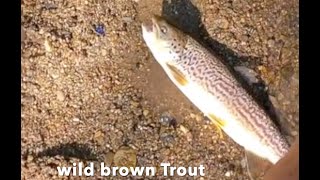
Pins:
x: 90, y: 86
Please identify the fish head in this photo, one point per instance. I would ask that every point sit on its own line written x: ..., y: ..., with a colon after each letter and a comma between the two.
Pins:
x: 165, y: 41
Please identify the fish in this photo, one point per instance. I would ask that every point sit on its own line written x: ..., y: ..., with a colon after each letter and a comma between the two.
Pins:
x: 211, y: 86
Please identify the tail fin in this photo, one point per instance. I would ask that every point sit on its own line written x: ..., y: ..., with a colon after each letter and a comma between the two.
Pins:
x: 256, y: 166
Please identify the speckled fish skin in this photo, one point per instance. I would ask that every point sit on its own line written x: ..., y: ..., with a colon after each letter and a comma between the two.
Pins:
x: 209, y: 84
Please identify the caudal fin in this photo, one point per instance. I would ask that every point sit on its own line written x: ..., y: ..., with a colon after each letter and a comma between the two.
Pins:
x: 256, y: 166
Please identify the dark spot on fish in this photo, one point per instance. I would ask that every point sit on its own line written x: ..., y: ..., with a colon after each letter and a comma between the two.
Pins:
x: 194, y: 58
x: 174, y: 47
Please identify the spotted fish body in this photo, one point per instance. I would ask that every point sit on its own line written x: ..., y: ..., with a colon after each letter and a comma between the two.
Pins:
x: 210, y: 86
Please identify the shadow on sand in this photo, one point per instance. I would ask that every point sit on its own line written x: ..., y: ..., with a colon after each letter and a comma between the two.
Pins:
x: 70, y: 150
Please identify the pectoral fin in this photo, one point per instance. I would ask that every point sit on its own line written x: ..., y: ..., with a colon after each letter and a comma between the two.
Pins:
x: 177, y: 75
x: 256, y: 166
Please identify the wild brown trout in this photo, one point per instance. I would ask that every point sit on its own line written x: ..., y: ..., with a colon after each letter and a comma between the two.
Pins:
x: 211, y: 86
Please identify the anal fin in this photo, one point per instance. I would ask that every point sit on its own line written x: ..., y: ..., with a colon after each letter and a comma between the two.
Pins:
x: 256, y: 166
x: 219, y: 123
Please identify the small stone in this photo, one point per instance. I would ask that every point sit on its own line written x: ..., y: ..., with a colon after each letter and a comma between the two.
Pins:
x: 100, y: 29
x: 228, y: 174
x: 23, y: 34
x: 134, y: 104
x: 294, y: 133
x: 223, y: 23
x: 103, y: 52
x: 125, y: 157
x: 76, y: 119
x: 99, y: 137
x: 167, y: 139
x: 145, y: 113
x: 167, y: 120
x: 47, y: 45
x: 271, y: 42
x: 127, y: 19
x: 54, y: 76
x: 165, y: 152
x: 186, y: 132
x: 184, y: 129
x: 166, y: 136
x: 41, y: 31
x: 113, y: 50
x: 109, y: 158
x: 60, y: 96
x: 29, y: 158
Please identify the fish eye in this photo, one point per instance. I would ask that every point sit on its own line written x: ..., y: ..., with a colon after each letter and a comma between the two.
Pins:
x: 163, y: 29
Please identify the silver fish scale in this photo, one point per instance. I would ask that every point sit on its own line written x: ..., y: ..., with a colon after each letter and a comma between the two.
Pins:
x: 200, y: 66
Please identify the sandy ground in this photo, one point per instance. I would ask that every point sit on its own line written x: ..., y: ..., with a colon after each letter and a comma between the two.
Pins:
x: 91, y: 97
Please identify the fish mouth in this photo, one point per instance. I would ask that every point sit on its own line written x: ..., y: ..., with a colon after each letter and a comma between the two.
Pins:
x: 151, y: 25
x: 148, y: 26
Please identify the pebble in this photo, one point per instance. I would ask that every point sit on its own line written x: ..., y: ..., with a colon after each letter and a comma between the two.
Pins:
x: 54, y: 76
x: 29, y: 158
x: 60, y: 96
x: 186, y: 132
x: 76, y: 119
x: 134, y: 104
x: 103, y: 52
x: 271, y: 43
x: 99, y: 137
x: 23, y: 34
x: 167, y: 139
x: 294, y: 133
x: 167, y: 120
x: 100, y: 29
x: 109, y: 159
x: 223, y: 23
x: 125, y: 157
x: 166, y: 136
x: 195, y: 116
x: 127, y: 19
x: 145, y: 113
x: 47, y: 45
x: 228, y: 174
